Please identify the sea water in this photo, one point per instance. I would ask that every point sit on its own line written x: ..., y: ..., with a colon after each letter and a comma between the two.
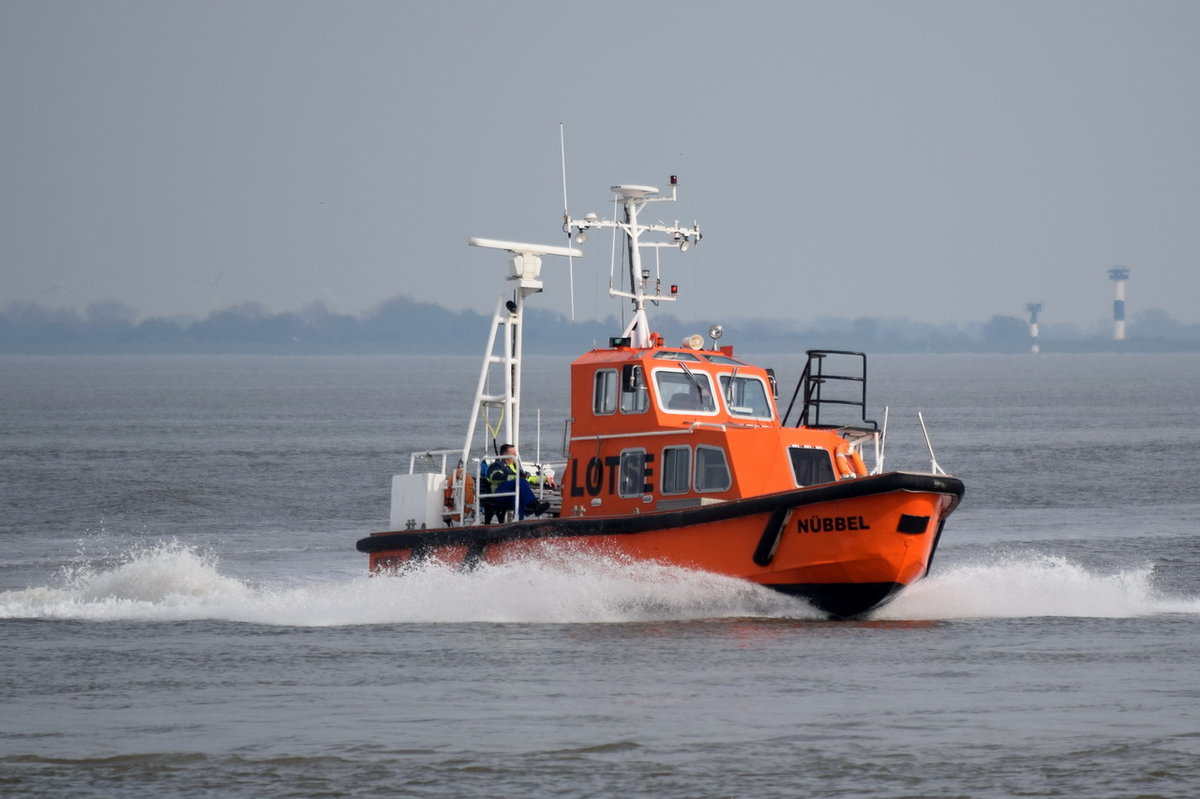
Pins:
x: 183, y: 613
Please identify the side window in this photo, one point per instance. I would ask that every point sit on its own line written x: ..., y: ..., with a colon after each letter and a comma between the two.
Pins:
x: 746, y: 396
x: 676, y: 470
x: 635, y: 396
x: 636, y: 401
x: 712, y: 470
x: 631, y: 481
x: 604, y: 393
x: 811, y: 465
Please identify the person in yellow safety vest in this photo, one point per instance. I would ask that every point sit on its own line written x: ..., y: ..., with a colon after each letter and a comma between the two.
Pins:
x: 503, y: 474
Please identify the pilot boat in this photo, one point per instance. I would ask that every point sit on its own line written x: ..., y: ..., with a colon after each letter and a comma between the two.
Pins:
x: 678, y: 455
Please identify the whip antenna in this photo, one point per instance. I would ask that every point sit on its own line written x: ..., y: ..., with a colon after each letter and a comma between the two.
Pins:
x: 562, y: 148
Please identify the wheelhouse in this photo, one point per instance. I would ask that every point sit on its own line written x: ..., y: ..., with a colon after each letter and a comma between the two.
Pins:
x: 662, y: 427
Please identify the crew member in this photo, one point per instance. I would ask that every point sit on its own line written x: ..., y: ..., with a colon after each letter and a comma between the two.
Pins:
x: 505, y: 477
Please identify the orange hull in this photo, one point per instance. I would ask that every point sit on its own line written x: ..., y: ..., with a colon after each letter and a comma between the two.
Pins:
x: 846, y: 547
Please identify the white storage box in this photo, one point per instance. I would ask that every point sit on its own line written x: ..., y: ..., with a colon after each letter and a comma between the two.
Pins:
x: 417, y: 501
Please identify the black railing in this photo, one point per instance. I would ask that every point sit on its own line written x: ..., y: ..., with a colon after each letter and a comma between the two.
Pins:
x: 846, y: 388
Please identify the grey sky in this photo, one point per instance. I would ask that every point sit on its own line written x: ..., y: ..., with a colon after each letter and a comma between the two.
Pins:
x: 943, y: 161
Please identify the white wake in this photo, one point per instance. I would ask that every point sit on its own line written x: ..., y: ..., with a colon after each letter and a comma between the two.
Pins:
x: 1033, y: 585
x: 174, y: 582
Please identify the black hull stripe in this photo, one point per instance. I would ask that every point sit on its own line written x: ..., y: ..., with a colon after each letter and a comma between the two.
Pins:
x: 630, y: 524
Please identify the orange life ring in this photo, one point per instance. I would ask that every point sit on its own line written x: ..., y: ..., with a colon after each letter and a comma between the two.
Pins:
x: 468, y: 489
x: 849, y: 462
x: 843, y: 463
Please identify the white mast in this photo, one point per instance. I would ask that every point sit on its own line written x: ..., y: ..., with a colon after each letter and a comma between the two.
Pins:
x: 525, y: 268
x: 634, y: 199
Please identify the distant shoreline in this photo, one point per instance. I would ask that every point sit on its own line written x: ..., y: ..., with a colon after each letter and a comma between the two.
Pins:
x: 403, y: 326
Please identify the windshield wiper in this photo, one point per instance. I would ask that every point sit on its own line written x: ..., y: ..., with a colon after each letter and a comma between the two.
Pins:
x: 695, y: 380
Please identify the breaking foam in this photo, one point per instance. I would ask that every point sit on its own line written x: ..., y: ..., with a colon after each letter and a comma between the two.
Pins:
x: 174, y: 582
x: 1035, y: 585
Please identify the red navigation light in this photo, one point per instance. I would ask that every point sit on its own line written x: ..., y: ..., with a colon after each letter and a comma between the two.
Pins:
x: 674, y: 289
x: 674, y: 179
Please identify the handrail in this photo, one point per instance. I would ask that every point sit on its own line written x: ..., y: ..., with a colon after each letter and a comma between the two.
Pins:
x: 674, y: 431
x: 812, y: 381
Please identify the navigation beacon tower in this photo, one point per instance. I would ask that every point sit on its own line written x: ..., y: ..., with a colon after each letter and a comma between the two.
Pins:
x: 1034, y: 309
x: 1119, y: 274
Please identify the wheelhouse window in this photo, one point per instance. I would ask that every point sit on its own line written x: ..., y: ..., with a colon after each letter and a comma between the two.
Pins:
x: 635, y: 396
x: 684, y: 391
x: 811, y: 465
x: 746, y: 396
x: 667, y: 355
x: 636, y: 401
x: 676, y: 470
x: 604, y: 392
x: 712, y: 470
x: 631, y: 481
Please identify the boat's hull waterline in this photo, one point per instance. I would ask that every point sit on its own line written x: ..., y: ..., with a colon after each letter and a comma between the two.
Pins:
x: 846, y: 547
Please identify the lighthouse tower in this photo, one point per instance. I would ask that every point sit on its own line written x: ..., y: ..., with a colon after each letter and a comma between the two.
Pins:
x: 1034, y: 309
x: 1118, y: 275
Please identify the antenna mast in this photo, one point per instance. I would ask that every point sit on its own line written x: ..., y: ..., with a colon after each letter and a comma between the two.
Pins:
x: 525, y: 268
x: 562, y: 148
x: 634, y: 199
